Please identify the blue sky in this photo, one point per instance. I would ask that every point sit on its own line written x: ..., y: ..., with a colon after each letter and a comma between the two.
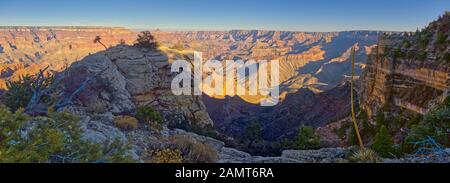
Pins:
x: 294, y: 15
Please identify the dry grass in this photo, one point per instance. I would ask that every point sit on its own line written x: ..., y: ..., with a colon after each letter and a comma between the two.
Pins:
x: 194, y: 151
x: 126, y: 122
x: 167, y: 156
x: 365, y: 156
x: 97, y: 107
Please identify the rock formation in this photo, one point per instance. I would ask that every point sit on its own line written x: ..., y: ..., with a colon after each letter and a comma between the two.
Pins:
x: 408, y: 71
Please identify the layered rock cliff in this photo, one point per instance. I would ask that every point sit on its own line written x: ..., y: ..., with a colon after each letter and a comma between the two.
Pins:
x: 408, y: 71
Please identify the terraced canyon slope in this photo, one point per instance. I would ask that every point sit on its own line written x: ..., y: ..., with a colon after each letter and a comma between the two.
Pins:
x: 310, y: 65
x: 314, y: 60
x: 318, y: 61
x: 24, y: 50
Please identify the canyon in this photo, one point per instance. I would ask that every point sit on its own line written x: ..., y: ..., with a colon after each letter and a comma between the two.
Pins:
x: 311, y: 63
x: 315, y: 70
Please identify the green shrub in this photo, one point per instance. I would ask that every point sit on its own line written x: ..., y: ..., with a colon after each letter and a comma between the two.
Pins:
x: 367, y: 129
x: 406, y: 43
x: 383, y: 144
x: 194, y: 151
x: 380, y: 119
x: 421, y: 55
x: 398, y: 53
x: 56, y: 138
x: 307, y: 139
x: 351, y: 137
x: 424, y: 39
x: 147, y: 114
x: 447, y: 57
x: 252, y: 133
x: 441, y: 38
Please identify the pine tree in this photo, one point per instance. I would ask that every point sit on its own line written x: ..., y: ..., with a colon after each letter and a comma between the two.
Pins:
x: 253, y: 133
x: 307, y: 139
x: 380, y: 119
x: 383, y: 144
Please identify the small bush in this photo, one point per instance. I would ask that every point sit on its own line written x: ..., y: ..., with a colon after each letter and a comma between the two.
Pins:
x: 146, y: 40
x: 447, y: 57
x: 206, y: 130
x: 364, y: 156
x: 307, y: 139
x: 398, y: 53
x: 406, y: 43
x: 441, y: 38
x: 380, y: 119
x: 126, y: 122
x: 367, y: 129
x: 97, y: 108
x: 167, y: 156
x: 252, y: 133
x: 194, y: 151
x: 351, y: 137
x: 422, y: 55
x: 148, y: 114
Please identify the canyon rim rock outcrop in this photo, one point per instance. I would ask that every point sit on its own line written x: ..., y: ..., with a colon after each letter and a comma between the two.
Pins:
x: 123, y: 78
x: 130, y: 76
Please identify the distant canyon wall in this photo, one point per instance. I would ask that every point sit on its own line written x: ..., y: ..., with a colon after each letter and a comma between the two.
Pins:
x: 25, y: 50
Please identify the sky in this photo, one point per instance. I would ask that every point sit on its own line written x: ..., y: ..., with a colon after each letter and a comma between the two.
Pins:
x: 292, y: 15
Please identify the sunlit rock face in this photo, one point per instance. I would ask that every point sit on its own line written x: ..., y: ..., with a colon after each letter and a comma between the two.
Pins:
x: 318, y: 61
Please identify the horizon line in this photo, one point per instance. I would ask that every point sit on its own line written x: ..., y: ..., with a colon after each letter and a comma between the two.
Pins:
x: 188, y: 29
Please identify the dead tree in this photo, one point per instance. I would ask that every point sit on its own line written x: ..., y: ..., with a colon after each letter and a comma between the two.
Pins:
x: 67, y: 98
x: 34, y: 106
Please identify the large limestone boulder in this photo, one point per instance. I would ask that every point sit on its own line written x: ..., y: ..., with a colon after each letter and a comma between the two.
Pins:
x: 124, y: 77
x: 107, y: 89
